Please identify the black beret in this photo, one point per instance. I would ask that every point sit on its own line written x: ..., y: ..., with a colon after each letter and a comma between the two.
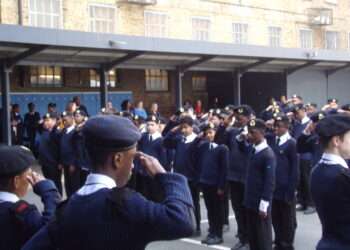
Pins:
x: 244, y: 110
x: 298, y: 107
x: 332, y: 100
x: 152, y: 118
x: 14, y: 160
x: 281, y: 118
x: 67, y: 114
x: 333, y: 125
x: 109, y: 132
x: 180, y: 111
x: 318, y: 116
x: 346, y: 107
x: 257, y: 124
x: 230, y: 107
x: 52, y: 115
x: 209, y: 126
x: 80, y: 112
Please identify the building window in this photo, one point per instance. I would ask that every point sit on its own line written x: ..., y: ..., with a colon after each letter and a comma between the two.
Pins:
x: 240, y: 33
x: 111, y: 78
x: 199, y: 82
x: 45, y: 13
x: 349, y: 40
x: 200, y: 29
x: 275, y: 36
x: 102, y: 18
x: 332, y: 40
x: 155, y: 24
x: 45, y: 76
x: 332, y: 1
x: 306, y: 39
x: 156, y: 80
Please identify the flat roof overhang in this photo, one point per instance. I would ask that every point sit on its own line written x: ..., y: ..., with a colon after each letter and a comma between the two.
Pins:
x: 93, y: 50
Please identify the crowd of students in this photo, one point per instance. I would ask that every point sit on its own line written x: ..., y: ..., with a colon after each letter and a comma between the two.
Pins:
x: 260, y: 163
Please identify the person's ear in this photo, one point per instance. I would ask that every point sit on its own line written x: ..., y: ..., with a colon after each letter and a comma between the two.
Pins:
x: 336, y: 141
x: 117, y: 159
x: 15, y: 182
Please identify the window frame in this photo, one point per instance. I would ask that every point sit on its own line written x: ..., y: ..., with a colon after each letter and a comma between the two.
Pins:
x: 166, y: 33
x: 93, y: 19
x: 246, y: 25
x: 337, y: 40
x: 194, y: 33
x: 269, y: 28
x: 60, y: 15
x: 312, y: 38
x: 155, y: 76
x: 98, y: 80
x: 46, y: 84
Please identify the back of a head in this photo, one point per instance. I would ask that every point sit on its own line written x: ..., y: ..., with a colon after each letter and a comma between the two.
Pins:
x: 106, y: 134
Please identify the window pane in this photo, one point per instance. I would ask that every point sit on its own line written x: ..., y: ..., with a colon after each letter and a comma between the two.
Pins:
x: 43, y: 12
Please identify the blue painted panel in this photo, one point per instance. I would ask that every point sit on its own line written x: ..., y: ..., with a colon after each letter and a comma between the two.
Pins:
x: 90, y: 99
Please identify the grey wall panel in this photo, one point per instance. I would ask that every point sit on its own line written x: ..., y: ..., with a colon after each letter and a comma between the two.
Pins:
x: 339, y: 86
x: 310, y: 84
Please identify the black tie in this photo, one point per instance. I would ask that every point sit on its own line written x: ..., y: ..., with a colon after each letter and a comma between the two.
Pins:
x: 278, y: 141
x: 150, y: 138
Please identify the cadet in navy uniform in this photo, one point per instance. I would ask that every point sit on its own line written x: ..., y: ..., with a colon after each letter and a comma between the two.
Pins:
x: 183, y: 140
x: 213, y: 163
x: 82, y: 159
x: 308, y: 142
x: 48, y: 150
x: 68, y: 154
x: 151, y: 143
x: 287, y: 173
x: 104, y: 214
x: 31, y: 124
x: 259, y: 185
x: 237, y: 171
x: 20, y: 220
x: 302, y: 121
x: 330, y: 183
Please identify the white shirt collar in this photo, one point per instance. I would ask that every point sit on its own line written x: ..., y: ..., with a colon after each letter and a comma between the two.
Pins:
x: 306, y: 119
x: 332, y: 159
x: 284, y: 138
x: 96, y: 182
x: 8, y: 197
x: 190, y: 138
x: 70, y: 129
x: 260, y: 147
x: 213, y: 145
x: 155, y: 136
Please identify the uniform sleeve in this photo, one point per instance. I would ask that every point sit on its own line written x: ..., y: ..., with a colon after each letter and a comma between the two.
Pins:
x: 224, y: 165
x: 269, y: 177
x: 305, y: 143
x: 171, y: 219
x: 40, y: 241
x: 50, y: 197
x: 170, y: 140
x: 293, y: 171
x: 163, y: 156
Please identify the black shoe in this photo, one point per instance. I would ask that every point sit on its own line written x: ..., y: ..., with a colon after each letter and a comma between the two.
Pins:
x: 197, y: 233
x: 238, y: 246
x: 310, y: 210
x: 204, y: 241
x: 214, y: 241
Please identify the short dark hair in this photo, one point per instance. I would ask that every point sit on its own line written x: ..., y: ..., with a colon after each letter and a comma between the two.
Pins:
x: 324, y: 141
x: 5, y: 183
x: 31, y: 105
x: 186, y: 120
x: 97, y: 157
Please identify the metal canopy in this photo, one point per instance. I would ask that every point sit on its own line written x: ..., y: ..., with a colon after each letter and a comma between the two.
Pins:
x: 42, y: 46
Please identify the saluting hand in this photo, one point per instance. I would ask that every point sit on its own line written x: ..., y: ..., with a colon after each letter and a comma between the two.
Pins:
x: 151, y: 164
x: 34, y: 178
